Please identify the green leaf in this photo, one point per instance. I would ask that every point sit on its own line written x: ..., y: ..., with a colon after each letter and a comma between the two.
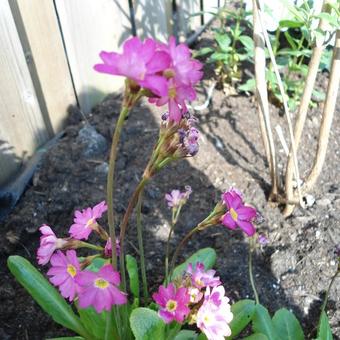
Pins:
x: 324, y: 330
x: 287, y: 325
x: 256, y: 336
x: 243, y: 312
x: 262, y: 323
x: 68, y: 338
x: 247, y: 42
x: 186, y: 335
x: 94, y: 322
x: 223, y: 41
x: 45, y: 294
x: 332, y: 20
x: 146, y: 324
x: 132, y: 268
x: 206, y: 255
x: 218, y: 56
x: 318, y: 95
x: 292, y: 42
x: 202, y: 52
x: 290, y: 24
x: 96, y: 264
x: 249, y: 86
x: 202, y: 336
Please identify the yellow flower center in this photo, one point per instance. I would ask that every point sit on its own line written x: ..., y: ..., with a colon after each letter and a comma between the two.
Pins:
x: 89, y: 223
x: 171, y: 305
x: 169, y: 73
x: 172, y: 92
x: 233, y: 214
x: 101, y: 283
x: 207, y: 319
x: 199, y: 282
x: 71, y: 270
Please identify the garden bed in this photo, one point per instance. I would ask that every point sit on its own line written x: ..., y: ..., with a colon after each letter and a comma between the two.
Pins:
x: 292, y: 271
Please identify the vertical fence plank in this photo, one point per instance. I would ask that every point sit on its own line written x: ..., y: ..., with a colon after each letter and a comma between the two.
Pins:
x: 22, y: 126
x: 88, y: 27
x: 153, y: 18
x: 210, y: 6
x: 42, y: 42
x: 186, y: 23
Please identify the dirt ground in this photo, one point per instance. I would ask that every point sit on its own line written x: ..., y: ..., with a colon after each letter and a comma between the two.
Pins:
x: 293, y: 271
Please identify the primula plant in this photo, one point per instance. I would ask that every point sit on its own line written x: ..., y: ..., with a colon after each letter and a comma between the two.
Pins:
x: 93, y: 289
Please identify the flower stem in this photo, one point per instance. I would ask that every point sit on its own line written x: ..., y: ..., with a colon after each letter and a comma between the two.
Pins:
x: 110, y: 181
x: 250, y: 268
x: 140, y: 244
x: 328, y: 290
x: 83, y: 244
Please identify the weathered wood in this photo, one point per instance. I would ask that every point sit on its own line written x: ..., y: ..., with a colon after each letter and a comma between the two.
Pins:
x: 153, y: 19
x: 187, y: 23
x: 41, y: 39
x: 89, y: 27
x: 22, y: 126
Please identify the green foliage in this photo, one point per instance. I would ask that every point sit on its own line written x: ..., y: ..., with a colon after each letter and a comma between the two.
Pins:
x: 206, y: 255
x: 324, y: 330
x: 186, y: 335
x: 287, y: 325
x: 146, y: 324
x: 262, y: 323
x: 132, y: 269
x: 94, y: 322
x: 45, y: 294
x: 243, y: 312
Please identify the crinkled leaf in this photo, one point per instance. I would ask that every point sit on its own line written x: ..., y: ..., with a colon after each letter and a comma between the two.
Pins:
x: 324, y: 330
x: 249, y: 85
x: 185, y: 334
x: 206, y: 255
x: 287, y: 325
x: 218, y: 56
x: 262, y: 323
x: 243, y: 312
x: 146, y: 324
x: 202, y: 52
x: 132, y: 269
x: 45, y: 294
x: 223, y: 41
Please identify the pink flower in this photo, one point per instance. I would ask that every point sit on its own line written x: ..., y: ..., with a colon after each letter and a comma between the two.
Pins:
x: 48, y: 244
x: 63, y: 272
x: 238, y: 214
x: 263, y: 240
x: 108, y: 247
x: 173, y: 303
x: 214, y: 315
x: 201, y: 278
x: 177, y: 198
x: 141, y: 62
x: 85, y: 221
x: 100, y: 289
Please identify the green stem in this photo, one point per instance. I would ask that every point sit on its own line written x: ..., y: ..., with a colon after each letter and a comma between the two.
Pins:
x: 110, y: 181
x: 328, y: 290
x: 83, y: 244
x: 250, y: 268
x: 140, y: 244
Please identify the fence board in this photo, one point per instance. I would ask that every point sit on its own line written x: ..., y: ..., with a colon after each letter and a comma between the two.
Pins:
x: 22, y: 126
x: 211, y: 6
x: 187, y: 24
x: 88, y: 27
x: 42, y: 42
x: 153, y: 19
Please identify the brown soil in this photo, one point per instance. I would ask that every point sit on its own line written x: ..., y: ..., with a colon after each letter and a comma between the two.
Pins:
x: 293, y: 271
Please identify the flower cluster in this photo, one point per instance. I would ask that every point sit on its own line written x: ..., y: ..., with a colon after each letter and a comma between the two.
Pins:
x: 199, y: 298
x: 176, y: 198
x: 99, y: 289
x: 167, y: 71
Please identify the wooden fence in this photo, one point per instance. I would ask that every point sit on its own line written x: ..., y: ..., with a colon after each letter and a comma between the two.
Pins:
x: 48, y: 49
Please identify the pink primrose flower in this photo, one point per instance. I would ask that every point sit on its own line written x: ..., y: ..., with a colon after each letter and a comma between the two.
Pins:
x: 141, y: 62
x: 63, y: 272
x: 238, y: 214
x: 200, y: 278
x: 86, y: 220
x: 214, y: 316
x: 177, y: 198
x: 48, y: 244
x: 100, y: 289
x: 108, y: 247
x: 173, y: 303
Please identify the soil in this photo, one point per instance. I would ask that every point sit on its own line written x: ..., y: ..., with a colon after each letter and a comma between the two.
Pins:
x: 292, y: 271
